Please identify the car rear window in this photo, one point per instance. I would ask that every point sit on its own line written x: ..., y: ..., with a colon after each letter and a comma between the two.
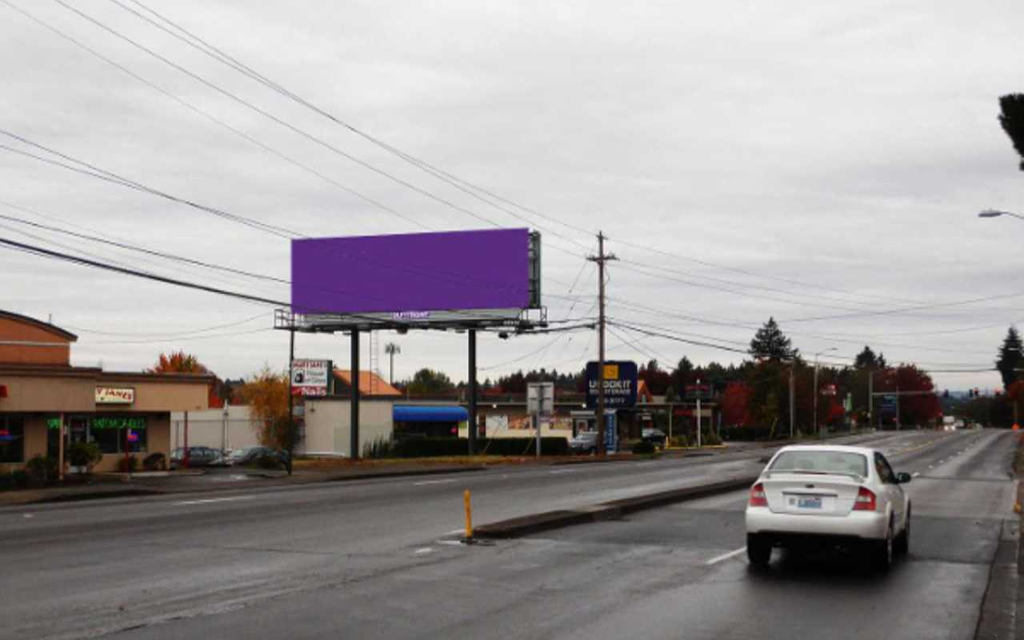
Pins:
x: 821, y: 462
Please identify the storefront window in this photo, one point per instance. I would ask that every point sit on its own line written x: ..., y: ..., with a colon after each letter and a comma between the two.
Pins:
x: 107, y: 439
x: 114, y: 433
x: 12, y: 439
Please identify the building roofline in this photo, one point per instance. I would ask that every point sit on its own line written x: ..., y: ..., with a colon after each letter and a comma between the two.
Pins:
x: 99, y: 375
x: 45, y: 326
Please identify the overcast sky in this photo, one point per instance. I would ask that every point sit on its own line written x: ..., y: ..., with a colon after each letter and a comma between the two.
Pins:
x: 822, y: 165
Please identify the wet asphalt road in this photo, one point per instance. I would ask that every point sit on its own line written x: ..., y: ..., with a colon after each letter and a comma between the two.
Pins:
x: 377, y: 559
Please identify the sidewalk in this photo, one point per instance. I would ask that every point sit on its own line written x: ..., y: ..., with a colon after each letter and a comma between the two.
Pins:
x: 117, y: 485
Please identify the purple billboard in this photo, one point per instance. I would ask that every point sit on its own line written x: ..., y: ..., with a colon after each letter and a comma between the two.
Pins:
x: 410, y: 273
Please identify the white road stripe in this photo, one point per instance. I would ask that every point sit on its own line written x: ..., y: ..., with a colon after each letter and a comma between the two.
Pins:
x: 564, y: 471
x: 424, y: 551
x: 726, y: 556
x: 916, y: 473
x: 426, y: 482
x: 212, y: 500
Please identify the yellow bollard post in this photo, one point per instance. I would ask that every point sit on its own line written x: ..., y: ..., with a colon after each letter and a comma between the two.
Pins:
x: 469, y: 515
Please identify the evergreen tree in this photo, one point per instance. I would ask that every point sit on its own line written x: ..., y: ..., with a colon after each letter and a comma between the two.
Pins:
x: 866, y: 359
x: 1011, y: 357
x: 1012, y: 120
x: 770, y: 343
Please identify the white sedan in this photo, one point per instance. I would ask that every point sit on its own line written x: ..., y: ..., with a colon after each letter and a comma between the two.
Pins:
x: 828, y: 496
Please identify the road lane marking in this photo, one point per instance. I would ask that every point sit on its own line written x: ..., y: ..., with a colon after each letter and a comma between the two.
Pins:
x: 426, y: 482
x: 916, y: 473
x: 212, y: 500
x: 564, y: 471
x: 424, y: 551
x: 726, y: 556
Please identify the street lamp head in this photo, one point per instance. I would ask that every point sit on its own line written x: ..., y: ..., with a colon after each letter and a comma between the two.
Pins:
x: 990, y: 213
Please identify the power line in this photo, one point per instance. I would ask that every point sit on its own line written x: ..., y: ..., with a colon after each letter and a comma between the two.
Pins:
x: 56, y: 255
x: 464, y: 186
x: 216, y: 120
x: 165, y: 335
x: 140, y: 249
x: 108, y: 176
x: 276, y: 119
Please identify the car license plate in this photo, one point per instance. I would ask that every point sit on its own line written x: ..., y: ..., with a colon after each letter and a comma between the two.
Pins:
x: 808, y: 503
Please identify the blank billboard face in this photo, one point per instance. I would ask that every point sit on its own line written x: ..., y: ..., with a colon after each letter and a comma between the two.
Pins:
x: 454, y: 270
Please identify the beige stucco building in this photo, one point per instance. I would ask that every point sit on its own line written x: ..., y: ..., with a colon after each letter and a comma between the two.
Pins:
x: 42, y: 395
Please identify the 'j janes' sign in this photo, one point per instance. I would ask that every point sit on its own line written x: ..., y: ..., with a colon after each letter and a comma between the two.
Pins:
x: 115, y: 395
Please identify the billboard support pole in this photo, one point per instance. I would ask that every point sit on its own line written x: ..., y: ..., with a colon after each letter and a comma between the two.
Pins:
x: 353, y: 442
x: 471, y: 427
x: 291, y: 400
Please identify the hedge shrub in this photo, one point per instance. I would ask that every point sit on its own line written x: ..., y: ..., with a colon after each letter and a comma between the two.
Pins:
x: 643, y: 447
x: 41, y: 470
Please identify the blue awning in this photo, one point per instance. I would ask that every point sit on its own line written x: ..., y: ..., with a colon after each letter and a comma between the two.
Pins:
x: 429, y: 414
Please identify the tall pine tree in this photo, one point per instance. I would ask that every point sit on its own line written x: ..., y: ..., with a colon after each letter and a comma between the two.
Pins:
x: 1011, y: 357
x: 770, y: 343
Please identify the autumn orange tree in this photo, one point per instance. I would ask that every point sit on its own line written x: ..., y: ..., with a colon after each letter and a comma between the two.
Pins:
x: 266, y: 393
x: 178, y: 362
x: 181, y: 362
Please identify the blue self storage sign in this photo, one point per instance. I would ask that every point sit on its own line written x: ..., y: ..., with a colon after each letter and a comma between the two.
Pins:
x: 620, y: 384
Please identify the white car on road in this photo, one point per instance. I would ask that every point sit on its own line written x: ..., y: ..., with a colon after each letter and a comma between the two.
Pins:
x: 828, y: 496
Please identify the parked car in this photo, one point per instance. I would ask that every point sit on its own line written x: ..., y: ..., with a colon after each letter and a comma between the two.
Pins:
x: 197, y: 457
x: 656, y: 437
x: 584, y: 442
x: 829, y: 497
x: 246, y: 455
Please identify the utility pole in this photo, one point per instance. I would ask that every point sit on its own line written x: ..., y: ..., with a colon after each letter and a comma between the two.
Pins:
x: 792, y: 398
x: 871, y: 397
x: 291, y: 398
x: 698, y: 413
x: 601, y: 258
x: 816, y: 397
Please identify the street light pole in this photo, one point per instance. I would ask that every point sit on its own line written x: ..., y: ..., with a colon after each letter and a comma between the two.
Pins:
x: 816, y: 386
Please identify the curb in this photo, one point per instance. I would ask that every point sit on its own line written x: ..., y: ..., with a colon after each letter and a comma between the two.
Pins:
x: 395, y: 474
x: 135, y: 492
x: 549, y: 520
x: 95, y: 495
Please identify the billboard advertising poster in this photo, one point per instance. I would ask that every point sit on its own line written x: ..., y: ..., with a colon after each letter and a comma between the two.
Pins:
x: 415, y: 273
x: 620, y: 384
x: 311, y: 377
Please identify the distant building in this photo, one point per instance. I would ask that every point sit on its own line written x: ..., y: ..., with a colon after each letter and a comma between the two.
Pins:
x: 370, y: 385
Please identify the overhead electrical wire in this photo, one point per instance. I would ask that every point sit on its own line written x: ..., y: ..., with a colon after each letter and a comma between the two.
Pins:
x: 217, y: 120
x: 108, y: 176
x: 182, y: 34
x: 178, y: 334
x: 56, y: 255
x: 280, y: 121
x: 474, y: 191
x: 103, y: 174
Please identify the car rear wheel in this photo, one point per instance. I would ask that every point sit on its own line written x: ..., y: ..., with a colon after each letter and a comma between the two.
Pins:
x: 883, y: 550
x: 903, y: 540
x: 759, y: 550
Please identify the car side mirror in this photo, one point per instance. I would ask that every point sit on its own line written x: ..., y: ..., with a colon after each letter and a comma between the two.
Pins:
x: 903, y: 478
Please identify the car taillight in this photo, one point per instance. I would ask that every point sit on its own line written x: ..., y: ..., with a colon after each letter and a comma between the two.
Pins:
x: 757, y: 497
x: 866, y: 500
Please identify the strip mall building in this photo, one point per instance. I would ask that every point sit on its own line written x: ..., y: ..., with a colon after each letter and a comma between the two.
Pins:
x: 40, y: 391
